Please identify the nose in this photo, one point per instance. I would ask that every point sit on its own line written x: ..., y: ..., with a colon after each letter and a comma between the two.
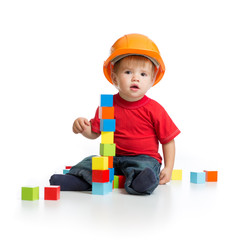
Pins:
x: 134, y: 78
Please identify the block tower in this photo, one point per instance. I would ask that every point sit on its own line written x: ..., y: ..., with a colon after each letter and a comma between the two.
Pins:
x: 102, y: 166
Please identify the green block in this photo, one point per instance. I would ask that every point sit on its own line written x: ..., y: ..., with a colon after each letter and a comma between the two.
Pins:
x: 116, y: 181
x: 30, y: 193
x: 107, y: 149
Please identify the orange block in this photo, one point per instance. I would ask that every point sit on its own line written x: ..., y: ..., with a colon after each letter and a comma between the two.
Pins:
x: 110, y: 161
x: 211, y: 176
x: 106, y: 112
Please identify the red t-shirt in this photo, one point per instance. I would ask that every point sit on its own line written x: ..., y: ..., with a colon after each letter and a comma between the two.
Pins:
x: 140, y: 126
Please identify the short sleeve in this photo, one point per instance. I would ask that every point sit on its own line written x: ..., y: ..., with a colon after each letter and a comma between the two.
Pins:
x: 165, y: 128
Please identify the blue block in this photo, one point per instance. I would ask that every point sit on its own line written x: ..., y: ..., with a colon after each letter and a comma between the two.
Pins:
x: 107, y: 125
x: 111, y: 174
x: 110, y: 186
x: 197, y: 177
x: 65, y: 171
x: 100, y: 188
x: 106, y: 100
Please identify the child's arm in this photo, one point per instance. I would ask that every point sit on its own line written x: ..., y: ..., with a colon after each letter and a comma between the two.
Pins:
x: 169, y: 158
x: 83, y: 126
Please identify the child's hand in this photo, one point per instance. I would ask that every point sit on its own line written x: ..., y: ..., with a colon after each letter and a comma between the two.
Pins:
x: 165, y: 175
x: 80, y: 125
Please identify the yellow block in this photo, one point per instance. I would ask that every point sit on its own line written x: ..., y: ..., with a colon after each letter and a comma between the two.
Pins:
x: 99, y: 163
x: 107, y: 137
x: 176, y: 174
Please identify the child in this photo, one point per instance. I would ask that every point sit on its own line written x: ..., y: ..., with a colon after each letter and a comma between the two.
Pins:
x: 134, y: 66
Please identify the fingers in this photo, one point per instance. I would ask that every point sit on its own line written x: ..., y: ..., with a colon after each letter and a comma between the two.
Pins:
x: 80, y: 125
x: 163, y: 178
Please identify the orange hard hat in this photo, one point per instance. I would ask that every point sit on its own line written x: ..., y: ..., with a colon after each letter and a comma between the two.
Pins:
x: 134, y: 44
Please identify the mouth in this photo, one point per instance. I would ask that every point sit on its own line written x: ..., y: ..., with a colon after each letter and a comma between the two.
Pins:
x: 134, y: 87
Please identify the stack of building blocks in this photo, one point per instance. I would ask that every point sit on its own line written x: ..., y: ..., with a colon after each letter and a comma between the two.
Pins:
x: 176, y: 174
x: 30, y: 193
x: 197, y: 177
x: 52, y: 193
x: 102, y: 166
x: 119, y: 181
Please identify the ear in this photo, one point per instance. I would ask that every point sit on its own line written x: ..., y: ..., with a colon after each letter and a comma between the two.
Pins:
x: 114, y: 79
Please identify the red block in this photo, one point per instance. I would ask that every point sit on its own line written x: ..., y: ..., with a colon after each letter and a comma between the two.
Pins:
x: 100, y: 176
x: 68, y: 167
x: 122, y: 180
x: 52, y: 193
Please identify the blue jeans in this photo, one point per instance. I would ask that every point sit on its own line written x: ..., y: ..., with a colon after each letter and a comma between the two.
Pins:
x: 129, y: 166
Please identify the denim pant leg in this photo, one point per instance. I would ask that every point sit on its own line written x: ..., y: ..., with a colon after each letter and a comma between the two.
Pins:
x: 83, y: 169
x: 132, y: 166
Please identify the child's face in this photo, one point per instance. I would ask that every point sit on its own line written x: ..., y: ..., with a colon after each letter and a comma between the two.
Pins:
x: 132, y: 79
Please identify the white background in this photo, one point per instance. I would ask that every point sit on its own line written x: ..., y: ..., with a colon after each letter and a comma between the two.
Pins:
x: 51, y: 59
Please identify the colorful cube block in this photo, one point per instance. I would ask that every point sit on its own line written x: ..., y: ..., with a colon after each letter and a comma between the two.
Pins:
x: 116, y: 181
x: 65, y: 171
x: 107, y: 137
x: 52, y: 193
x: 121, y: 181
x: 106, y: 100
x: 110, y: 161
x: 197, y: 177
x: 211, y: 176
x: 107, y: 125
x: 30, y: 193
x: 111, y: 174
x: 68, y: 167
x: 99, y: 163
x: 101, y: 176
x: 176, y: 174
x: 107, y: 149
x: 106, y: 112
x: 101, y: 188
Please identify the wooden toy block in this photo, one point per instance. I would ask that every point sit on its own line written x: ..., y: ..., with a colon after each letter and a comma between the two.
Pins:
x: 107, y: 137
x: 101, y: 176
x: 107, y: 125
x: 111, y: 174
x: 176, y: 174
x: 68, y: 167
x: 106, y: 100
x: 52, y: 193
x: 107, y: 149
x: 121, y: 181
x: 99, y: 163
x: 110, y: 161
x: 116, y: 181
x: 65, y: 171
x: 106, y: 112
x: 211, y: 176
x: 30, y: 193
x: 101, y: 188
x: 197, y: 177
x: 110, y: 186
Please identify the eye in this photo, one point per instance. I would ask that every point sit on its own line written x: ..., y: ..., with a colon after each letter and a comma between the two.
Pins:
x: 143, y: 74
x: 127, y: 72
